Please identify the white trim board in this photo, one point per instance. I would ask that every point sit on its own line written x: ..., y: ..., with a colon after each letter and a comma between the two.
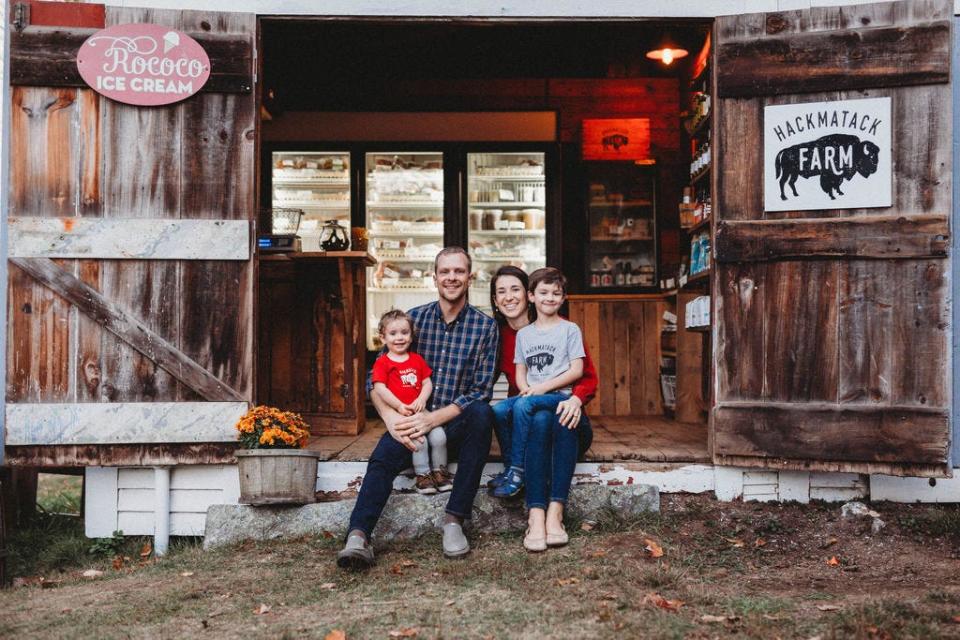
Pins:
x: 129, y: 238
x: 494, y: 9
x: 122, y: 423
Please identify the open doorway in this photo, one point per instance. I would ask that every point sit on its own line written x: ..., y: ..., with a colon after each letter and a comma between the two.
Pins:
x: 489, y: 119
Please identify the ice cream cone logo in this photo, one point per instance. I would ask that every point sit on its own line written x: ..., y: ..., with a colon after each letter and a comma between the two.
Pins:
x: 171, y: 39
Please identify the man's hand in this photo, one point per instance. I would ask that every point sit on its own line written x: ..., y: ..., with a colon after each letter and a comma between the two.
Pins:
x: 415, y: 427
x: 401, y: 435
x: 570, y: 411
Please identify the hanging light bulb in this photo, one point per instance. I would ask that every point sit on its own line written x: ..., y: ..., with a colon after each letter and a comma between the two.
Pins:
x: 667, y: 50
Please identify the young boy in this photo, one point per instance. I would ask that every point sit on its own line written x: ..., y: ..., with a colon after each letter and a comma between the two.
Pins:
x: 549, y: 358
x: 403, y: 378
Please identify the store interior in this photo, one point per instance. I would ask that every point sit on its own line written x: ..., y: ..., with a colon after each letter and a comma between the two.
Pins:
x: 502, y: 137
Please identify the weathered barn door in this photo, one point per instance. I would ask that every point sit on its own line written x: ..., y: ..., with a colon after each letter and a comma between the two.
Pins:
x: 832, y: 325
x: 131, y: 267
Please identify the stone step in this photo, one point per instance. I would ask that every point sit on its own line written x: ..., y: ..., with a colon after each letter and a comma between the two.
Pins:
x: 408, y: 516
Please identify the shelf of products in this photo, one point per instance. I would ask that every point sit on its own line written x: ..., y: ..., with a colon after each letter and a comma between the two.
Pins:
x: 621, y: 222
x: 404, y: 212
x: 506, y: 215
x: 318, y: 182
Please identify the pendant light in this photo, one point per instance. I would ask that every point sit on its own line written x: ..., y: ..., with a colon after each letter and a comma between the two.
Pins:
x: 667, y: 50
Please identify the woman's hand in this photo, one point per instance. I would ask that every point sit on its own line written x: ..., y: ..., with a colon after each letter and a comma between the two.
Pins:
x: 569, y: 412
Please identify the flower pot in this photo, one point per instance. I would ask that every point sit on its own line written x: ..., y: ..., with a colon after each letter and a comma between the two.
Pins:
x: 277, y: 476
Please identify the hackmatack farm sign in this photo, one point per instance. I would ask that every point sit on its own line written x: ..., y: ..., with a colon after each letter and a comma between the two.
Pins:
x: 827, y: 155
x: 143, y: 64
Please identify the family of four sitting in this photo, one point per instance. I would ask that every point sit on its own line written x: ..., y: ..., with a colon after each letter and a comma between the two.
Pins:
x: 433, y: 384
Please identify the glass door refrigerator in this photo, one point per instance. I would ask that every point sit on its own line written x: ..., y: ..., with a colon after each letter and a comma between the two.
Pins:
x: 506, y: 207
x: 317, y: 183
x: 405, y: 229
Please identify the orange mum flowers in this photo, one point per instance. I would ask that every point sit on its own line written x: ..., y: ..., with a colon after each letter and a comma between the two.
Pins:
x: 267, y: 427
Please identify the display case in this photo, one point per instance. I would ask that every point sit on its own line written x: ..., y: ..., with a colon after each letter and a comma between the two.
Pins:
x: 405, y: 229
x: 316, y: 182
x: 506, y: 215
x: 621, y: 252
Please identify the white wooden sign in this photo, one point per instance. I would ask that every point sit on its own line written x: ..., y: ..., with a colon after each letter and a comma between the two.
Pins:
x: 827, y: 155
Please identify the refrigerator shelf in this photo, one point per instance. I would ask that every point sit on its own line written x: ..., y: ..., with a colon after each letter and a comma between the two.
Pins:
x: 523, y: 233
x: 383, y: 258
x: 314, y: 182
x: 321, y: 204
x: 502, y: 205
x: 489, y: 178
x: 405, y: 234
x: 424, y: 204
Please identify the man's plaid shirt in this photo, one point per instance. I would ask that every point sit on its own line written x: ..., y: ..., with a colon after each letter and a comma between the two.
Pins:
x: 462, y: 354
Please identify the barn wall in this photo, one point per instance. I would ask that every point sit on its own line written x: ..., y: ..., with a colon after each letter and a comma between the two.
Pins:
x: 4, y: 193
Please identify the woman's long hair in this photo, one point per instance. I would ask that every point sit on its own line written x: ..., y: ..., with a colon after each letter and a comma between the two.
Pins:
x: 524, y: 279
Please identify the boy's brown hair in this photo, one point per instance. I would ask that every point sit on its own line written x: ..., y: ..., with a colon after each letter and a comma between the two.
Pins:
x: 396, y: 314
x: 548, y: 275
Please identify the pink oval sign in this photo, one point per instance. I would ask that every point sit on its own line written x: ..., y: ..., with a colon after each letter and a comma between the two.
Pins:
x: 143, y: 64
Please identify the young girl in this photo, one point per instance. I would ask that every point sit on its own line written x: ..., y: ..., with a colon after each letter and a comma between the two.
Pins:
x: 403, y: 380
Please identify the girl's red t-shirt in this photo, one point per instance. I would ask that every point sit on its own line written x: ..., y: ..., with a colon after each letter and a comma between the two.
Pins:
x: 403, y: 379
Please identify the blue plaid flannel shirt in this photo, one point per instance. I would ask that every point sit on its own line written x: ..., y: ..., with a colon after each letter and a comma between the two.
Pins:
x: 462, y: 354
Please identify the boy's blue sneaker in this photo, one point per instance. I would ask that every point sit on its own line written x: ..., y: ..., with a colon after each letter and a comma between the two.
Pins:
x: 512, y: 484
x: 497, y: 480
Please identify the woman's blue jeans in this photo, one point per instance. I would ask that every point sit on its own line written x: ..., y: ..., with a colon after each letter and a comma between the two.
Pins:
x: 551, y: 451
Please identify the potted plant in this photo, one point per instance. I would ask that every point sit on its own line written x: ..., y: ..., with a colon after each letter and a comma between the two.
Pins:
x: 274, y: 468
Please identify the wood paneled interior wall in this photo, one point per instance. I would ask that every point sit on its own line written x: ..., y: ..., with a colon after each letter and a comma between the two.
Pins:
x: 75, y: 153
x: 622, y: 335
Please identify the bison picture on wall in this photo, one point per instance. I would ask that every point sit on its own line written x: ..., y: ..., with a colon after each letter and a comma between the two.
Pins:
x: 827, y: 155
x: 834, y: 158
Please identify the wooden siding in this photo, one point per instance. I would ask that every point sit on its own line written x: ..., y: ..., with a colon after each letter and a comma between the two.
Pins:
x: 623, y: 337
x: 78, y: 155
x: 832, y: 326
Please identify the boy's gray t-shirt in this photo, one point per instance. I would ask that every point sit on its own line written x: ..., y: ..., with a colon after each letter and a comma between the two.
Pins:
x: 548, y: 353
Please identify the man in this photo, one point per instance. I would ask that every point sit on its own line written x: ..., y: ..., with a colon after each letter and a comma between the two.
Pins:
x: 460, y: 344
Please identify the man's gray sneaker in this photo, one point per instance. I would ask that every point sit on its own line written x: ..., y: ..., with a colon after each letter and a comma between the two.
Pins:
x: 356, y: 554
x: 455, y: 543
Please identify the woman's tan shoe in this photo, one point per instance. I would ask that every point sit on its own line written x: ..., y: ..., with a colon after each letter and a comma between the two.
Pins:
x: 557, y: 539
x: 535, y: 545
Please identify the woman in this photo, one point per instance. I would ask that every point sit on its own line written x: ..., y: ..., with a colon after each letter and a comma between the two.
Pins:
x: 556, y: 440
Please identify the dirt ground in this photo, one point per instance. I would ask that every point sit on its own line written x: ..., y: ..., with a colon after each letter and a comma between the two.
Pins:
x: 726, y: 570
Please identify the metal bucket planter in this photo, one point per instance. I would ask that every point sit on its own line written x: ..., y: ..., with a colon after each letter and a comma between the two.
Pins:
x: 277, y: 476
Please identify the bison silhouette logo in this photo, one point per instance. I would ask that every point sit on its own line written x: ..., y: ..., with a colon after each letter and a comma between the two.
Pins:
x: 834, y: 158
x: 409, y: 379
x: 541, y: 361
x: 616, y: 141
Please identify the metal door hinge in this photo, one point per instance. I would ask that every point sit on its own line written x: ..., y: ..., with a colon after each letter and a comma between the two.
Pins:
x: 21, y: 16
x: 345, y: 390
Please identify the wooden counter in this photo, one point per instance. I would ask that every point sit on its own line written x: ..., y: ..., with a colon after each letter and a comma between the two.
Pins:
x: 310, y: 359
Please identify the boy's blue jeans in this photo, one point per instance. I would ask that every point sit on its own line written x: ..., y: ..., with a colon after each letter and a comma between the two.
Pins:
x: 524, y: 410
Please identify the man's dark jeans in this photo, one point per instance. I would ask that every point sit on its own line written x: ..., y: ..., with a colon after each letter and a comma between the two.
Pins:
x: 468, y: 438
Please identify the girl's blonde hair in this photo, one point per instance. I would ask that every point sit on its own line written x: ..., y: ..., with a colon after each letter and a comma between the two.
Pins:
x: 396, y: 314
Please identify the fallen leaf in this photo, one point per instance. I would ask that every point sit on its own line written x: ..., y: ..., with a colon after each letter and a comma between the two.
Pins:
x: 263, y: 609
x: 599, y: 553
x: 404, y: 633
x: 619, y: 625
x: 408, y: 563
x: 118, y: 563
x: 336, y: 634
x: 49, y: 584
x: 92, y: 573
x: 956, y: 619
x: 449, y: 603
x: 586, y: 525
x: 563, y: 582
x: 658, y: 600
x: 146, y: 550
x: 833, y: 561
x: 760, y: 542
x: 186, y: 574
x: 67, y: 610
x: 709, y: 619
x: 830, y: 542
x: 829, y: 607
x: 736, y: 542
x: 654, y: 549
x: 327, y: 534
x: 26, y: 581
x: 328, y: 585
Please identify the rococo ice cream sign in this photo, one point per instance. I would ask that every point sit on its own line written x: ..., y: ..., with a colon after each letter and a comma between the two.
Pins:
x: 143, y: 64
